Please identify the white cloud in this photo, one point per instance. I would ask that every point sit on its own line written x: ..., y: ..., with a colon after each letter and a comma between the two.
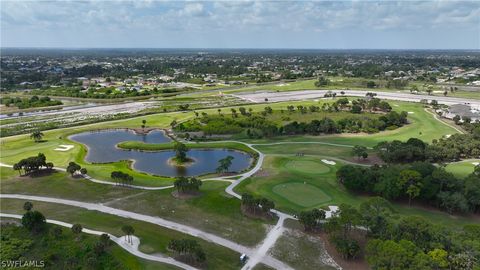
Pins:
x: 279, y: 19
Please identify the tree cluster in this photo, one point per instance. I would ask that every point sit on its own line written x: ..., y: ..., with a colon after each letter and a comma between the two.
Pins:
x: 121, y: 178
x: 453, y: 148
x: 188, y: 250
x: 33, y: 165
x: 396, y: 242
x: 33, y: 102
x: 224, y: 164
x: 187, y: 185
x: 74, y: 168
x: 256, y: 206
x: 257, y: 126
x: 419, y: 180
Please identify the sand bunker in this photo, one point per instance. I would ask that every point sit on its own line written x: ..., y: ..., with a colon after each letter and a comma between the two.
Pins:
x: 329, y: 213
x: 410, y: 112
x: 64, y: 147
x: 329, y: 162
x: 475, y: 163
x: 282, y: 84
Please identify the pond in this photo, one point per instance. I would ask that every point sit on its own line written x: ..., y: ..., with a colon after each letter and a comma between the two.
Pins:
x: 102, y: 149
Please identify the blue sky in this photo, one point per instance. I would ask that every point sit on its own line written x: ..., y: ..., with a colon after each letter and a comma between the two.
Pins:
x: 242, y: 24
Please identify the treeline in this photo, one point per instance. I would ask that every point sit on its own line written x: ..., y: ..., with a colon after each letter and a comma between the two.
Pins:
x: 33, y: 102
x: 101, y: 93
x: 258, y: 125
x: 419, y: 180
x: 391, y: 120
x: 395, y: 242
x: 453, y: 148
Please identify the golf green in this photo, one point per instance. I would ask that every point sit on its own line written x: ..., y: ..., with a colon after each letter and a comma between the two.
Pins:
x: 302, y: 194
x: 307, y: 166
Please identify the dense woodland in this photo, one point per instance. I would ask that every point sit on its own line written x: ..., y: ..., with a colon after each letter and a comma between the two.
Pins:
x: 54, y: 247
x: 417, y: 181
x: 395, y: 242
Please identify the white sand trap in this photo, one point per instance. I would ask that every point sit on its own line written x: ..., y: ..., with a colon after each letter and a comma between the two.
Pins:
x: 395, y: 105
x: 329, y: 162
x: 475, y: 163
x: 64, y: 147
x: 329, y: 213
x: 448, y: 135
x: 282, y: 84
x: 410, y: 112
x: 134, y: 243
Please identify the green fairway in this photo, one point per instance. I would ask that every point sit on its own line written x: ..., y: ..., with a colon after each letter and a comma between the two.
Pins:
x: 422, y: 125
x: 462, y: 168
x: 307, y: 166
x: 303, y: 194
x: 295, y: 190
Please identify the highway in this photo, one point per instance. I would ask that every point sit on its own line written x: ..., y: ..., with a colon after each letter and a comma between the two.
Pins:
x: 259, y: 97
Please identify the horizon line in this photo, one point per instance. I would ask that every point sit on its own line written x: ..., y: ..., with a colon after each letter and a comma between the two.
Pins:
x: 242, y: 48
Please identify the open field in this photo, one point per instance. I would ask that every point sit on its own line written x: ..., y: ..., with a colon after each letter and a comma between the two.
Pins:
x: 214, y: 211
x: 153, y: 238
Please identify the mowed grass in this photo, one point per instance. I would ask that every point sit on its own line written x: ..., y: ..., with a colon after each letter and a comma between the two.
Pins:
x: 462, y: 168
x: 422, y: 125
x: 302, y: 194
x: 153, y: 238
x: 275, y: 175
x: 214, y: 211
x: 307, y: 166
x: 295, y: 190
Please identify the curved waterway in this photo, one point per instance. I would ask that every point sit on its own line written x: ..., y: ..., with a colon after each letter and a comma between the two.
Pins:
x: 102, y: 149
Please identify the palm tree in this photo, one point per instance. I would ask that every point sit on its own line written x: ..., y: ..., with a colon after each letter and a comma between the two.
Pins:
x: 37, y: 136
x: 128, y: 230
x: 77, y: 229
x: 27, y: 206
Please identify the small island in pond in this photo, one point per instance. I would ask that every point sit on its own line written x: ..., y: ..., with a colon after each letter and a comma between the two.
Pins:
x: 180, y: 159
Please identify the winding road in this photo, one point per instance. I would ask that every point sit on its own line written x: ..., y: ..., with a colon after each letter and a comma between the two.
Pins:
x: 270, y: 261
x: 119, y: 240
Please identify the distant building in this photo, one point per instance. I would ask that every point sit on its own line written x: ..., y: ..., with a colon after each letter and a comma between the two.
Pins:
x: 463, y: 110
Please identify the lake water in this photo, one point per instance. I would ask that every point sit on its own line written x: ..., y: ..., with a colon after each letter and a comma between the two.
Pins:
x: 101, y: 149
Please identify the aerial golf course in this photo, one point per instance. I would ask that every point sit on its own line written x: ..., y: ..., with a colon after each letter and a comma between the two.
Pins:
x: 296, y: 172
